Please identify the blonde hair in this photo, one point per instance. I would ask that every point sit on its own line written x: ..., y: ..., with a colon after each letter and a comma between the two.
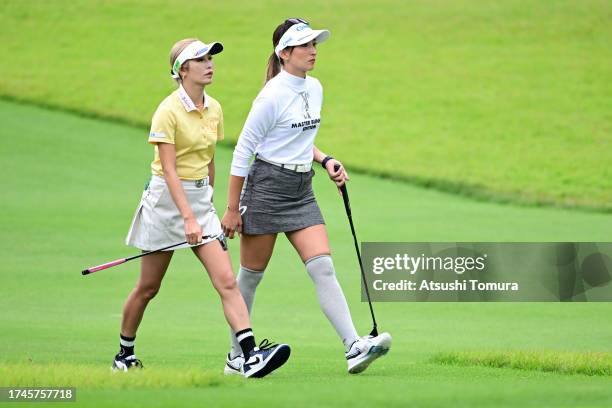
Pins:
x: 177, y: 48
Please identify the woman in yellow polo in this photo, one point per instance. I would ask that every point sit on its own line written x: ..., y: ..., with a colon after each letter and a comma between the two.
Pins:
x: 177, y: 206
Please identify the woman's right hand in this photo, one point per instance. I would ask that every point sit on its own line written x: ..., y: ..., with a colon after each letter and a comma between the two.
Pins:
x: 231, y: 223
x: 193, y: 231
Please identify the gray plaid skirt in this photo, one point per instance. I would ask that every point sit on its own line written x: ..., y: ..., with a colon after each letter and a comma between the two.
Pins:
x: 278, y: 200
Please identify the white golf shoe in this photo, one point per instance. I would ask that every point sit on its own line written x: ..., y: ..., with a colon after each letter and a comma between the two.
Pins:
x: 365, y: 350
x: 233, y: 366
x: 121, y: 363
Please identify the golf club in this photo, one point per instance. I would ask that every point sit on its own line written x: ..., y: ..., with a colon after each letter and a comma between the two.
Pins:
x: 116, y: 262
x: 347, y: 207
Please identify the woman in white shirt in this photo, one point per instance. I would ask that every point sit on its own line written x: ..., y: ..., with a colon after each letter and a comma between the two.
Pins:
x: 277, y: 192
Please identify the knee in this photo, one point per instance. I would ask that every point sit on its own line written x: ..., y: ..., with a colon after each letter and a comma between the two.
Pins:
x: 226, y: 283
x: 320, y: 266
x: 147, y: 293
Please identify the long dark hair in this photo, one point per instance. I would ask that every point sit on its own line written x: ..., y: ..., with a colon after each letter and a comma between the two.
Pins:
x: 274, y: 62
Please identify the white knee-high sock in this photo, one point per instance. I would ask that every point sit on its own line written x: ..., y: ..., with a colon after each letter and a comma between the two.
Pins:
x: 248, y: 280
x: 331, y: 298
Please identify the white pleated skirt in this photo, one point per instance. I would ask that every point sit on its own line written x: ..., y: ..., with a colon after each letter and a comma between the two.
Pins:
x: 158, y: 223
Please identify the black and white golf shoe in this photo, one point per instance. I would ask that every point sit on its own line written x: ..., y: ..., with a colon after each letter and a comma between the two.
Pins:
x: 233, y: 366
x: 121, y: 363
x: 365, y: 350
x: 265, y: 359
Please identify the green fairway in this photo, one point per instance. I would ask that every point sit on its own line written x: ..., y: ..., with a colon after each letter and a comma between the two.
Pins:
x: 550, y: 361
x: 505, y: 100
x: 69, y: 191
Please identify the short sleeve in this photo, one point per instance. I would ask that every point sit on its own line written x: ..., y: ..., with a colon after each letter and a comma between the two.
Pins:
x: 163, y: 126
x: 220, y: 134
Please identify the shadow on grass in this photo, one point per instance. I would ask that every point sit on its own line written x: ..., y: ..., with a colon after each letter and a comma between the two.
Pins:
x: 587, y: 363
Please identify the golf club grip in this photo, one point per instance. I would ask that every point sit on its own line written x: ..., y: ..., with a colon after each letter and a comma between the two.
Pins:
x: 123, y: 260
x: 347, y: 204
x: 103, y: 266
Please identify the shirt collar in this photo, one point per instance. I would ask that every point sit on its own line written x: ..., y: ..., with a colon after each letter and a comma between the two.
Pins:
x: 186, y: 100
x: 293, y: 81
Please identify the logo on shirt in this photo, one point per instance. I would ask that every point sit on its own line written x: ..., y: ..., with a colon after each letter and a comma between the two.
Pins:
x: 307, y: 124
x: 305, y: 106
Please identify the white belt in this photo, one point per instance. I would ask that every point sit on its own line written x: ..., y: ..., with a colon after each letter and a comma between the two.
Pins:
x: 299, y: 168
x: 198, y: 183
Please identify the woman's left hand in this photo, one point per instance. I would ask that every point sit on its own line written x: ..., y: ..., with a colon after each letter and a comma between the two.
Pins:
x: 339, y: 176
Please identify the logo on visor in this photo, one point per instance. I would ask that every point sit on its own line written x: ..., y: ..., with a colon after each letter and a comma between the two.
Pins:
x: 301, y: 27
x: 201, y: 51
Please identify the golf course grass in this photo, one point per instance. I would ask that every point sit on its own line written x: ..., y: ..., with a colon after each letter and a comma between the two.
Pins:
x: 550, y: 361
x: 458, y: 120
x: 70, y: 188
x: 506, y: 101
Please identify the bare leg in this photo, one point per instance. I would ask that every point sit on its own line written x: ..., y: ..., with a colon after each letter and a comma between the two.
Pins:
x: 218, y: 265
x: 256, y: 250
x: 255, y: 253
x: 310, y: 242
x: 152, y: 270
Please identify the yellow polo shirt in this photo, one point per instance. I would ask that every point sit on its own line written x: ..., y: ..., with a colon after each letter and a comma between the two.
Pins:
x: 193, y: 133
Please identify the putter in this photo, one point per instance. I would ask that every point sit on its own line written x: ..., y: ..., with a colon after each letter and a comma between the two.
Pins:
x: 347, y: 207
x: 116, y: 262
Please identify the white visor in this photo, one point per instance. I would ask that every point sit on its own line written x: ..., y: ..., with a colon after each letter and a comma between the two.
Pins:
x: 196, y: 49
x: 299, y: 34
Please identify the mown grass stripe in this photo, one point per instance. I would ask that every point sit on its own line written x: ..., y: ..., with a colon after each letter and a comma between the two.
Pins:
x: 586, y: 363
x: 476, y: 192
x: 28, y: 374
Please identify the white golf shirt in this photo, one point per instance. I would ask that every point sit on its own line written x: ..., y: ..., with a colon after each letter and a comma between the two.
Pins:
x: 282, y: 124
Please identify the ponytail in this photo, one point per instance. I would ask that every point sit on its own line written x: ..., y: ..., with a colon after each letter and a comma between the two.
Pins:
x: 274, y: 62
x: 274, y: 67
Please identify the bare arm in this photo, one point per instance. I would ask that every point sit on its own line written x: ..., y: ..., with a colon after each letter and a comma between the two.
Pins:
x: 211, y: 172
x: 262, y: 117
x: 167, y: 155
x: 339, y: 177
x: 232, y: 220
x: 318, y: 155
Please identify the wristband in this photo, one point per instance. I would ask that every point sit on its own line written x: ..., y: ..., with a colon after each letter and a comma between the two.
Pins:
x: 325, y: 160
